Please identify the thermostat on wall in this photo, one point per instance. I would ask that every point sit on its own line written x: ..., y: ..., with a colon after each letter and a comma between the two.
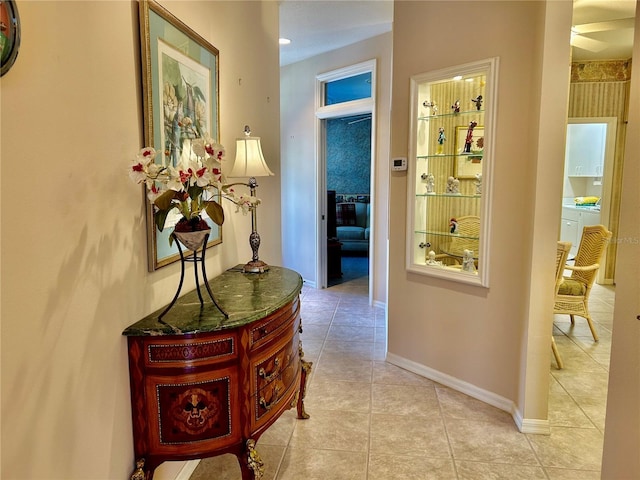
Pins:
x: 398, y: 164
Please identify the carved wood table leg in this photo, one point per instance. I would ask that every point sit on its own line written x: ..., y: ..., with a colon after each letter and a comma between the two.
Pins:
x: 306, y: 368
x: 253, y: 467
x: 139, y: 473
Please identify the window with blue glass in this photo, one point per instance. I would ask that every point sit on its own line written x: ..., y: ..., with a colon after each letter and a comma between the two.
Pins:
x: 347, y: 89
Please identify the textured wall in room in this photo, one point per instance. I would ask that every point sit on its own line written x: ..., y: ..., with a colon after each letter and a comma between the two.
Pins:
x: 349, y: 154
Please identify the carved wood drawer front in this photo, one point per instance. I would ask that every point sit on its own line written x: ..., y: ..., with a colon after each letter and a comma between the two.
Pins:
x: 193, y: 412
x: 271, y: 328
x: 207, y: 349
x: 275, y: 379
x: 269, y: 369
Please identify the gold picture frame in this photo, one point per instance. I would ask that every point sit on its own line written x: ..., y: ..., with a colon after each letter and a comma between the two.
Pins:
x: 179, y: 71
x: 468, y: 164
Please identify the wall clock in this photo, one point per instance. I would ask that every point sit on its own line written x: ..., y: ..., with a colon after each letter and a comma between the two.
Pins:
x: 9, y: 34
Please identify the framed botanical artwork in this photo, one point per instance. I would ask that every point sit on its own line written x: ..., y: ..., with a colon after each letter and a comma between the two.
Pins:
x: 469, y: 151
x: 180, y: 81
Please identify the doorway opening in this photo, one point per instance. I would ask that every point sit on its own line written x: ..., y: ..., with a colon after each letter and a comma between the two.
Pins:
x: 348, y: 176
x: 346, y: 133
x: 596, y: 111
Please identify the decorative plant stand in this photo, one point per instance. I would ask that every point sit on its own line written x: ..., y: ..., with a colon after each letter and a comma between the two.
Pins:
x: 193, y: 241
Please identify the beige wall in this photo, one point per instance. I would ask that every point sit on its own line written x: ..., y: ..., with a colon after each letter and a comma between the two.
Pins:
x: 475, y: 337
x: 73, y: 240
x: 74, y: 271
x: 620, y: 458
x: 494, y: 343
x: 299, y: 160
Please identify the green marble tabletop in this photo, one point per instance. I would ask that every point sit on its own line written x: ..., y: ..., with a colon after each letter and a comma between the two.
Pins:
x: 246, y: 297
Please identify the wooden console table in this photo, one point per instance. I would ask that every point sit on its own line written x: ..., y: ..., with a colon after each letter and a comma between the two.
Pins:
x: 203, y: 385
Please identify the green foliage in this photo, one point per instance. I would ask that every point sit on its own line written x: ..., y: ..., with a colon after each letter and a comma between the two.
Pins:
x: 215, y: 212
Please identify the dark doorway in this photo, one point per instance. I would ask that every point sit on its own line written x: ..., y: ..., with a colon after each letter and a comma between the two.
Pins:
x: 348, y: 157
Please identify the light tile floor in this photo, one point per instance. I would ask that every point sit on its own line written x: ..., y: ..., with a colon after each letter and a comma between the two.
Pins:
x: 371, y: 420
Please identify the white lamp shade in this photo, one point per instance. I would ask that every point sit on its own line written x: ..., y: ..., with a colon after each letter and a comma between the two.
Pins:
x: 249, y: 159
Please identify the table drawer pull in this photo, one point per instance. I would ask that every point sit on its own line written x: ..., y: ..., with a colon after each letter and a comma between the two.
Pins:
x: 276, y: 371
x: 268, y: 406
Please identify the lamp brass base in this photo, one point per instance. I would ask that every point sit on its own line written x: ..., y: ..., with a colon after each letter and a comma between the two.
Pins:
x: 257, y: 266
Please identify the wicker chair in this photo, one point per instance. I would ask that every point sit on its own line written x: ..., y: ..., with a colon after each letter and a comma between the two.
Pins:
x: 562, y: 252
x: 572, y: 297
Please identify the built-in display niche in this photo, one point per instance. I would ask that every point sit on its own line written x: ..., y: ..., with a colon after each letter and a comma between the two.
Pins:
x: 449, y: 171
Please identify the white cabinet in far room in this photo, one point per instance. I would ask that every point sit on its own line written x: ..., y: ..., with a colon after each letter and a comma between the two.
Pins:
x: 585, y: 149
x: 572, y: 222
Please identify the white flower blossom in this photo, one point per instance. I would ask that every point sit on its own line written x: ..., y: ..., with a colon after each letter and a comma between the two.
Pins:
x: 199, y: 165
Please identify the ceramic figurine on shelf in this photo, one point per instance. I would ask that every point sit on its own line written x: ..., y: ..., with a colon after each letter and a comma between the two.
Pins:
x: 468, y: 263
x: 469, y: 139
x: 477, y: 102
x: 431, y: 184
x: 478, y: 183
x: 456, y: 107
x: 441, y: 139
x: 432, y: 259
x: 432, y: 106
x: 453, y: 186
x: 453, y: 226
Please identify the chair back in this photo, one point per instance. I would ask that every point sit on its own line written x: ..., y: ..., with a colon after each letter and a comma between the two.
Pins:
x: 468, y: 234
x: 562, y: 252
x: 593, y: 243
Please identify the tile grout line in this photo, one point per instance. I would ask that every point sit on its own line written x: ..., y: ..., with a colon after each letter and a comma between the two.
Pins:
x: 537, y: 457
x: 446, y: 434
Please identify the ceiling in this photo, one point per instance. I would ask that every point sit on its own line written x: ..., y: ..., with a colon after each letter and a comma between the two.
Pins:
x: 319, y: 26
x: 609, y: 27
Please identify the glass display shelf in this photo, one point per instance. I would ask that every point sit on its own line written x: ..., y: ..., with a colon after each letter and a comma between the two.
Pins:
x: 447, y: 195
x: 449, y: 172
x: 452, y: 155
x: 445, y: 115
x: 447, y: 234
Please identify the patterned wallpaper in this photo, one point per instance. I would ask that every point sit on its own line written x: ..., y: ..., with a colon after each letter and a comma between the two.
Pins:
x: 601, y: 89
x: 349, y: 155
x: 601, y: 71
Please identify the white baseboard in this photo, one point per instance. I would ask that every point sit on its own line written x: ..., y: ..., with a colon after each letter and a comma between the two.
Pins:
x: 524, y: 425
x: 187, y: 470
x: 535, y: 426
x: 379, y: 304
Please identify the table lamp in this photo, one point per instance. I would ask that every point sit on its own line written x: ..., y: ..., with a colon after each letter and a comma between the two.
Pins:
x: 251, y: 163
